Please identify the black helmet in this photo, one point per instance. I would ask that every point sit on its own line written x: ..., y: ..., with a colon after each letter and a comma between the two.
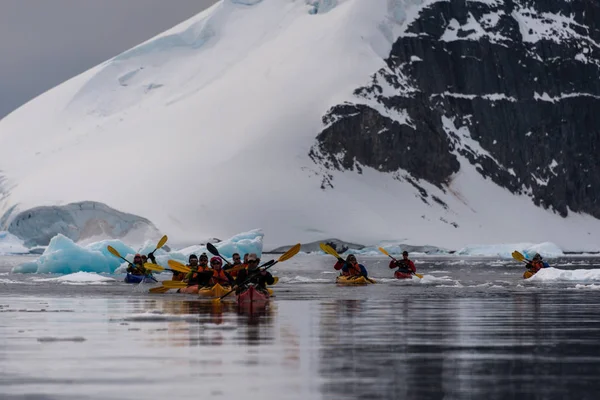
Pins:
x: 193, y: 257
x: 537, y: 256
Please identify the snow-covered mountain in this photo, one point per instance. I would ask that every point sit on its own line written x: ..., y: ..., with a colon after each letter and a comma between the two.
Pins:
x: 433, y: 122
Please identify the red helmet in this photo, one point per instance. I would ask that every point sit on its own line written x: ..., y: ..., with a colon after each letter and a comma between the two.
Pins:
x: 215, y: 258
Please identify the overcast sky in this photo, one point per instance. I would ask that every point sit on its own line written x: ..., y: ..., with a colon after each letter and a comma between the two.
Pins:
x: 45, y: 42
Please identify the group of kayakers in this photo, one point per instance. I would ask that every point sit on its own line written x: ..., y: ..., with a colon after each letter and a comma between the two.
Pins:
x: 236, y: 274
x: 240, y: 273
x: 405, y: 268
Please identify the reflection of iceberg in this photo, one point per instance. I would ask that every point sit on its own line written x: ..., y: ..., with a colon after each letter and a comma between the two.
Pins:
x: 63, y: 256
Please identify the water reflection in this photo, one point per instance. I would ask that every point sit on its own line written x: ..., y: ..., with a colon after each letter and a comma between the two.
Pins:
x: 519, y: 346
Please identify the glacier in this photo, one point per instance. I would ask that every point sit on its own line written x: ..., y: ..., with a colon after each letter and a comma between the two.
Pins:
x: 205, y: 131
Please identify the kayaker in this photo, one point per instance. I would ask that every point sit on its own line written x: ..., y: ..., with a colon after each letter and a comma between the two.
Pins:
x: 236, y: 266
x: 260, y: 277
x: 203, y: 262
x: 192, y: 263
x: 218, y: 274
x: 405, y: 266
x: 137, y: 268
x: 351, y: 267
x: 536, y: 264
x: 246, y: 258
x: 200, y: 274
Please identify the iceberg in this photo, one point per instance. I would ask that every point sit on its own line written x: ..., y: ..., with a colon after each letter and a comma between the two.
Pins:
x: 64, y: 256
x: 10, y: 244
x: 242, y: 243
x: 546, y: 249
x: 560, y: 275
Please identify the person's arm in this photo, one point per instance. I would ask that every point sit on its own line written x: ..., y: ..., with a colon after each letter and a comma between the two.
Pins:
x: 363, y: 270
x: 268, y: 277
x: 229, y: 278
x: 393, y: 264
x: 340, y: 264
x: 412, y: 266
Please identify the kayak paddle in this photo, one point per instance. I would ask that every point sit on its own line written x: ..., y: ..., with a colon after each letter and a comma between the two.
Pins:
x: 213, y: 250
x: 179, y: 267
x: 285, y: 256
x: 384, y: 251
x: 519, y: 257
x: 330, y: 250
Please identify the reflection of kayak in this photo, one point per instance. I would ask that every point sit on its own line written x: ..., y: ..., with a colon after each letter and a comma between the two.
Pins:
x: 130, y: 278
x: 528, y: 274
x: 353, y: 280
x: 189, y: 289
x: 402, y: 275
x: 214, y: 291
x: 252, y: 295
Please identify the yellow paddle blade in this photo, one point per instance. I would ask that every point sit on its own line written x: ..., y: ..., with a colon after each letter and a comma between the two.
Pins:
x: 113, y: 251
x: 276, y: 280
x: 290, y: 253
x: 159, y: 289
x: 162, y: 242
x: 177, y: 266
x: 174, y: 284
x: 384, y: 251
x: 329, y: 250
x: 236, y: 268
x: 518, y: 256
x: 418, y: 275
x: 153, y: 267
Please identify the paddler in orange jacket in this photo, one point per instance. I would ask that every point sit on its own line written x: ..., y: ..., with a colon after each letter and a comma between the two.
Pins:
x: 219, y: 275
x: 200, y: 274
x: 536, y: 264
x: 237, y: 265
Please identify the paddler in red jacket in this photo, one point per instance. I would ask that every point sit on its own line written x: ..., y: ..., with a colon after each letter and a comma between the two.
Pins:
x: 536, y: 264
x: 405, y: 266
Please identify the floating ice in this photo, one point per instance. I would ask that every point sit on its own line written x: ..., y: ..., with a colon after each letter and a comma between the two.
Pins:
x: 546, y: 249
x: 63, y: 256
x: 242, y: 243
x: 78, y: 277
x: 557, y: 275
x: 10, y: 244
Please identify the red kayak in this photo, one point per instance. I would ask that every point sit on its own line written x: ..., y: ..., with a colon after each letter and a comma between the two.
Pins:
x: 252, y: 295
x: 402, y: 275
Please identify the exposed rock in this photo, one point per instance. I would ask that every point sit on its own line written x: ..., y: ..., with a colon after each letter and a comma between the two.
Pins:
x: 511, y: 87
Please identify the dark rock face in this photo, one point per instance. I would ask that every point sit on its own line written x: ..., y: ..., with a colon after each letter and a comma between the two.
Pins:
x: 511, y: 87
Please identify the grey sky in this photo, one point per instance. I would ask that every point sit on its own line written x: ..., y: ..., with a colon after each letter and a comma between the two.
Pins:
x: 45, y: 42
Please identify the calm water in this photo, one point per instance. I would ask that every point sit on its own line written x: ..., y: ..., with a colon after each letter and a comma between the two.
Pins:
x: 471, y: 328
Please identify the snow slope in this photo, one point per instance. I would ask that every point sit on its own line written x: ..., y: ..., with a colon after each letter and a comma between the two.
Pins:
x: 205, y: 131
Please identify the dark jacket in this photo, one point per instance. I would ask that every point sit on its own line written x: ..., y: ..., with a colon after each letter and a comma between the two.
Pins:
x: 256, y: 278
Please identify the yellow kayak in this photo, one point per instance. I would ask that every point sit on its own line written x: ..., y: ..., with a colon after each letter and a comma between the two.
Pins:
x: 214, y: 291
x: 353, y: 280
x: 219, y: 291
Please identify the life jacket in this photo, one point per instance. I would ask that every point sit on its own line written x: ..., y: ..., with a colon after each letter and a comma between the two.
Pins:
x: 353, y: 270
x: 537, y: 265
x: 220, y: 278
